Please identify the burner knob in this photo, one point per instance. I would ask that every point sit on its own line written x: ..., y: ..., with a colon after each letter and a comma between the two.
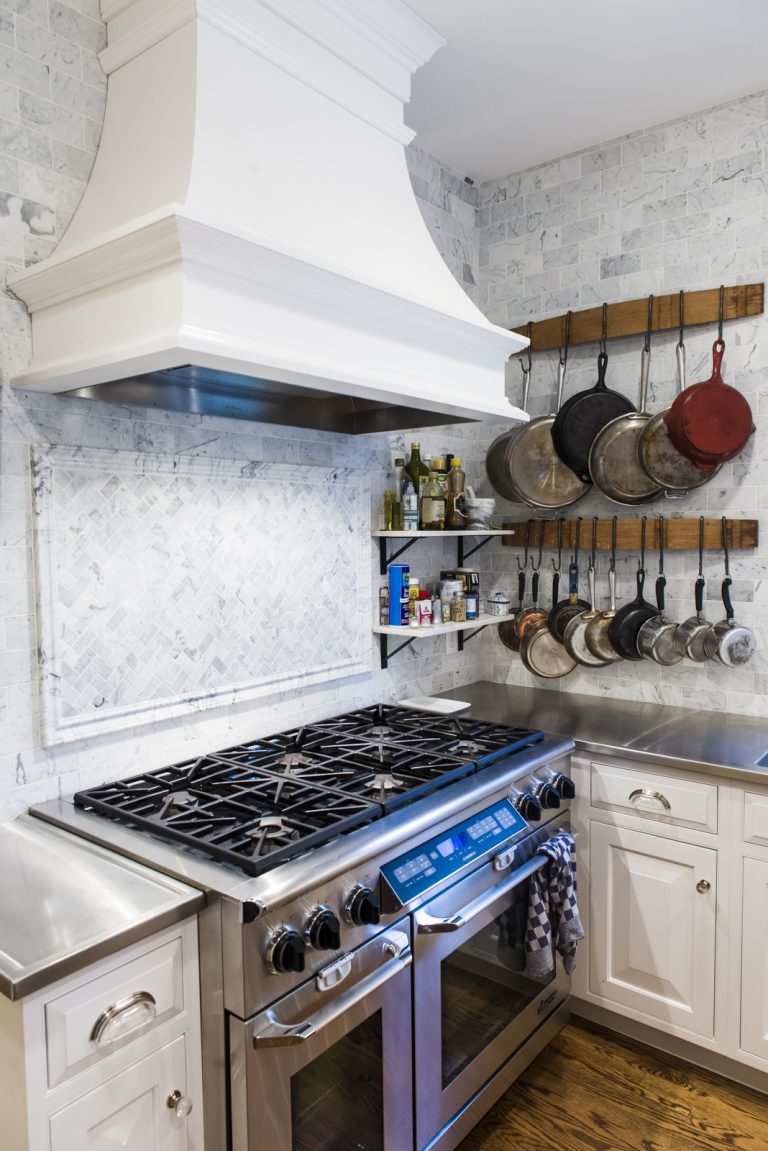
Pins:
x: 362, y: 907
x: 547, y: 795
x: 323, y: 932
x: 564, y: 785
x: 528, y: 806
x: 286, y: 950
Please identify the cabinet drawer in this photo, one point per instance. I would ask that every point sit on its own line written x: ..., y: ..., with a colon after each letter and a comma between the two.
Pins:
x: 755, y: 824
x: 661, y: 798
x: 104, y: 1015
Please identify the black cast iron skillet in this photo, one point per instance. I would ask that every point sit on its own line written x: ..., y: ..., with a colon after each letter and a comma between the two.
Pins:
x: 584, y: 415
x: 625, y: 625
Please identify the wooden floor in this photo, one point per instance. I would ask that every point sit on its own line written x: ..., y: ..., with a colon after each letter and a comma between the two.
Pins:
x: 589, y: 1091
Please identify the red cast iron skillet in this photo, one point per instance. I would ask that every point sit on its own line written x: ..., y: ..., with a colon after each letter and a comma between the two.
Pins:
x: 584, y: 415
x: 710, y: 422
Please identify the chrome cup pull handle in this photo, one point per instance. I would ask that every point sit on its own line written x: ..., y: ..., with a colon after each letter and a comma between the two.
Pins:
x: 123, y: 1017
x: 644, y: 794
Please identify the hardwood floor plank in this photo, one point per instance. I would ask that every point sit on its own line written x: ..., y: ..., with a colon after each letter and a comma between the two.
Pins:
x: 593, y: 1091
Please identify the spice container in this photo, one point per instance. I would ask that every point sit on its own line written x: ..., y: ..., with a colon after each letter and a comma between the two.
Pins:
x: 424, y: 608
x: 398, y: 594
x: 413, y: 595
x: 498, y: 604
x: 459, y: 607
x: 472, y: 604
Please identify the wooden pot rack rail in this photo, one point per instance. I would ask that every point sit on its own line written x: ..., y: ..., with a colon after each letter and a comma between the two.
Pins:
x: 630, y: 317
x: 679, y: 535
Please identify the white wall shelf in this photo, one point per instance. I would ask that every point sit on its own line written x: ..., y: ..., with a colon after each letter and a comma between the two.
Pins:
x: 462, y: 553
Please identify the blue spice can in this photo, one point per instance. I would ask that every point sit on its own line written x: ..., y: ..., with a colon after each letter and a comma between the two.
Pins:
x: 398, y: 594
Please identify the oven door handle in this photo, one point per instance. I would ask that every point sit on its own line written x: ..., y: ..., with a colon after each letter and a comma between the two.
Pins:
x: 270, y: 1032
x: 428, y: 925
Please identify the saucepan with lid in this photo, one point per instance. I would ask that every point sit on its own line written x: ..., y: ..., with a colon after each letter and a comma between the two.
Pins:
x: 727, y: 641
x: 690, y: 634
x: 656, y: 638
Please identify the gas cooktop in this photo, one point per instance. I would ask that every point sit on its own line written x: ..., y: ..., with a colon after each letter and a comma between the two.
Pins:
x: 261, y: 803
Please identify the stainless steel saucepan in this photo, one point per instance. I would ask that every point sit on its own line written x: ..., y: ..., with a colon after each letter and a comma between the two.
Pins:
x: 727, y: 641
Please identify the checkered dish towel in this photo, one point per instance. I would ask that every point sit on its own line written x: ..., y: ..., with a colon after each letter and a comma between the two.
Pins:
x: 553, y: 913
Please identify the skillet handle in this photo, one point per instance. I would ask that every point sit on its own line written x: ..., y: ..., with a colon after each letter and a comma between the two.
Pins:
x: 699, y: 595
x: 680, y: 353
x: 535, y: 587
x: 555, y: 586
x: 718, y: 349
x: 521, y: 585
x: 640, y: 582
x: 727, y: 599
x: 602, y: 364
x: 573, y: 582
x: 661, y: 583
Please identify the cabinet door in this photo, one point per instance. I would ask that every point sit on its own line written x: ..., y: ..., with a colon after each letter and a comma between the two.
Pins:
x: 652, y: 916
x: 128, y: 1112
x: 754, y: 959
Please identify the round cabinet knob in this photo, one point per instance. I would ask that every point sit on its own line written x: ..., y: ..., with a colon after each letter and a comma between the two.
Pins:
x: 323, y: 931
x: 703, y: 886
x: 181, y: 1105
x: 564, y: 785
x: 286, y: 951
x: 528, y: 806
x: 547, y: 795
x: 363, y: 907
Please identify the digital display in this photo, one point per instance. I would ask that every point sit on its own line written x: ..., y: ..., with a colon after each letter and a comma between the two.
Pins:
x: 447, y: 847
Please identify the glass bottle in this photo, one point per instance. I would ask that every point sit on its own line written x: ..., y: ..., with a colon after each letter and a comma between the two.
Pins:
x: 410, y: 509
x: 455, y: 511
x: 432, y: 507
x: 417, y: 470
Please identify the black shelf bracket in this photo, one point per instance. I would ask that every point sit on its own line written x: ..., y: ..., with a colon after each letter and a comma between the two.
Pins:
x: 463, y: 636
x: 385, y: 561
x: 463, y: 554
x: 386, y: 654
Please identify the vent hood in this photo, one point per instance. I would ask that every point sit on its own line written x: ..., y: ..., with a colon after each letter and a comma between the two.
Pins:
x: 249, y: 243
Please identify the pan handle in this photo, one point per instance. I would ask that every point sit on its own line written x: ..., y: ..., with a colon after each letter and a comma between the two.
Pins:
x: 726, y: 593
x: 602, y: 364
x: 555, y: 586
x: 680, y: 353
x: 573, y: 581
x: 661, y: 583
x: 521, y: 586
x: 699, y: 595
x: 718, y: 349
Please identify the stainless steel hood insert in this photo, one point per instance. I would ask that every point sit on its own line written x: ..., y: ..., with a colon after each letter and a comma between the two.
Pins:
x: 250, y: 218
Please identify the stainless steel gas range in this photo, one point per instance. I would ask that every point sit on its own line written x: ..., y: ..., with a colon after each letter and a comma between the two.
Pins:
x: 363, y: 966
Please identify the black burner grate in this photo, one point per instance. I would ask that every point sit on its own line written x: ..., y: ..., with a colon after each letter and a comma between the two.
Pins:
x: 263, y: 802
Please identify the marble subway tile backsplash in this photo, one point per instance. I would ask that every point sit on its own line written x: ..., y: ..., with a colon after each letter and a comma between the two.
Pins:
x: 682, y: 205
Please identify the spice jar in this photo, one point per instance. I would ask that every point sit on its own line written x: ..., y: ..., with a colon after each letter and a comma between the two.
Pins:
x: 459, y: 607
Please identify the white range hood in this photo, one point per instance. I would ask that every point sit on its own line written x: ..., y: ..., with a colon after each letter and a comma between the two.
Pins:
x: 249, y: 243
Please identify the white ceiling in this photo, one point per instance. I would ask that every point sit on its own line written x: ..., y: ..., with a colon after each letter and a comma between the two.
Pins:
x: 520, y: 84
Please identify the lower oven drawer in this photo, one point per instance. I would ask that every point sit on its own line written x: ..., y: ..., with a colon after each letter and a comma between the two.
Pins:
x: 474, y: 1003
x: 330, y: 1064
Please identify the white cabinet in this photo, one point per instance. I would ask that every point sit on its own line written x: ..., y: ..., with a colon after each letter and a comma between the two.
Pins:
x: 91, y: 1062
x: 652, y: 915
x: 130, y: 1111
x: 754, y: 959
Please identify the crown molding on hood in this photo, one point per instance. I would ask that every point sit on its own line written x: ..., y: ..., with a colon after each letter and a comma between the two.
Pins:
x: 250, y: 216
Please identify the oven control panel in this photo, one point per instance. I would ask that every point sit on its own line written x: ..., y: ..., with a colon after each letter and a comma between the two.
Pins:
x: 429, y: 864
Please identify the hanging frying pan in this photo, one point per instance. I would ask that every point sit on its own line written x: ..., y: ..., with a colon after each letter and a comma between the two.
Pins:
x: 507, y: 630
x: 596, y: 636
x: 541, y: 653
x: 628, y: 620
x: 524, y: 461
x: 710, y: 422
x: 574, y: 639
x: 727, y: 641
x: 656, y: 638
x: 566, y: 609
x: 495, y: 459
x: 665, y: 465
x: 583, y: 415
x: 690, y: 634
x: 613, y: 460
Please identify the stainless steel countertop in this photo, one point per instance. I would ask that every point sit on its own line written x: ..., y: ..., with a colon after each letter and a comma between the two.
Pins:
x: 66, y: 902
x: 716, y: 743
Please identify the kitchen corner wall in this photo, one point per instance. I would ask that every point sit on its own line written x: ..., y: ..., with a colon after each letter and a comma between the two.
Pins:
x: 51, y: 107
x: 680, y: 205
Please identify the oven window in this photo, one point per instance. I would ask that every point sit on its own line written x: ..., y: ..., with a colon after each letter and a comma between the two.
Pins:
x: 484, y: 987
x: 337, y: 1100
